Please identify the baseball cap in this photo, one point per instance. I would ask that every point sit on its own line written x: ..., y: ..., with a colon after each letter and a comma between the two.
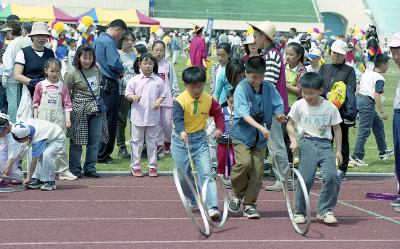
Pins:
x: 395, y: 41
x: 314, y: 53
x: 21, y: 130
x: 339, y: 47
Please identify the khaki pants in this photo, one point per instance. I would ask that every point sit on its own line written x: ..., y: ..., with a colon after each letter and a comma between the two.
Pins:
x: 246, y: 174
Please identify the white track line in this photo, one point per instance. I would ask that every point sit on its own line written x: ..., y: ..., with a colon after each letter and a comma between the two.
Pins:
x: 139, y: 200
x: 365, y: 211
x: 158, y: 218
x: 135, y: 242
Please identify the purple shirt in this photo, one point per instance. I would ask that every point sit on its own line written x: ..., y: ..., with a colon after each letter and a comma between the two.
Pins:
x: 150, y: 89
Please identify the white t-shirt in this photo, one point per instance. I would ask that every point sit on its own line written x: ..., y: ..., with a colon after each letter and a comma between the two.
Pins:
x: 309, y: 68
x: 315, y: 121
x: 20, y: 59
x: 371, y: 82
x: 396, y: 103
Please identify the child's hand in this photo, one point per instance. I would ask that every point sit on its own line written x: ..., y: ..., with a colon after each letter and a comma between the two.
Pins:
x: 27, y: 180
x: 281, y: 118
x: 67, y: 123
x: 184, y: 137
x: 265, y: 132
x: 217, y: 134
x: 294, y: 146
x: 157, y: 104
x: 339, y: 158
x: 135, y: 98
x: 383, y: 115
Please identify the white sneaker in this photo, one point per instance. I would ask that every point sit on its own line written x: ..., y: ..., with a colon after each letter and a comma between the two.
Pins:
x: 67, y: 175
x: 357, y: 162
x: 214, y: 214
x: 299, y: 219
x: 385, y: 156
x: 327, y: 218
x: 395, y: 203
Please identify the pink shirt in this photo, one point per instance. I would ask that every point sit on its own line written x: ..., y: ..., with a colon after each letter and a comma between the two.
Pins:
x: 198, y: 51
x: 45, y: 84
x: 150, y: 89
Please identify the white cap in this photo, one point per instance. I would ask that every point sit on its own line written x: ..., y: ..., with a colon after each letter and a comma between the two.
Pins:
x: 249, y: 39
x: 339, y: 47
x: 395, y: 41
x: 314, y: 53
x: 20, y: 130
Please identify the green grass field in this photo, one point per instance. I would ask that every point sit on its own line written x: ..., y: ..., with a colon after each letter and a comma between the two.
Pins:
x: 375, y: 164
x: 254, y: 10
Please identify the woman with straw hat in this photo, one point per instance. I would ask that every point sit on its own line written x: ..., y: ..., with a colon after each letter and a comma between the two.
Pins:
x: 198, y: 51
x: 30, y: 60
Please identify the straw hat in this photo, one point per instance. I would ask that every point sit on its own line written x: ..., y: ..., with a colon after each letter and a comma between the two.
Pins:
x: 395, y: 42
x: 266, y: 27
x: 39, y: 28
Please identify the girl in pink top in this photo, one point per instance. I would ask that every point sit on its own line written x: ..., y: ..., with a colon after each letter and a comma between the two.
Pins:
x: 166, y: 72
x: 146, y: 91
x: 51, y: 102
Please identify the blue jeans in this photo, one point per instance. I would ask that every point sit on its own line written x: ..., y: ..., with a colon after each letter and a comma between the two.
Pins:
x: 369, y: 118
x: 13, y: 97
x: 201, y: 157
x: 396, y: 142
x: 75, y: 150
x: 313, y: 153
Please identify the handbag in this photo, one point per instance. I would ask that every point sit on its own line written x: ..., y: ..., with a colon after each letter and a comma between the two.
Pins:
x: 99, y: 100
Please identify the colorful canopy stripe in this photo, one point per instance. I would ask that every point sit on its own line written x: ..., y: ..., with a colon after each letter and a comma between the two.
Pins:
x: 132, y: 17
x: 36, y: 13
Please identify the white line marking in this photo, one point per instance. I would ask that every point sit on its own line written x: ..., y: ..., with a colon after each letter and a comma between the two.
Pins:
x: 365, y: 211
x: 196, y: 241
x: 158, y: 218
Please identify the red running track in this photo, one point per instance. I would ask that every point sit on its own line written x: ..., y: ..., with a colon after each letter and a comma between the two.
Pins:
x: 127, y: 212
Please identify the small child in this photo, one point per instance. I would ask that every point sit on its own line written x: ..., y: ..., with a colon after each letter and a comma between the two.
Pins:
x: 47, y: 140
x: 51, y: 102
x: 146, y: 91
x: 190, y: 113
x: 166, y: 72
x: 314, y: 117
x: 313, y: 56
x: 9, y: 149
x: 255, y: 103
x: 369, y: 97
x: 225, y: 154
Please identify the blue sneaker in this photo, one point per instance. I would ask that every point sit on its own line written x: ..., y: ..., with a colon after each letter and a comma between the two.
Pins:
x: 35, y: 184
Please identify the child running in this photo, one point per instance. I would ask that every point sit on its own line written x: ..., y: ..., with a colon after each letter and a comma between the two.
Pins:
x: 369, y: 97
x: 51, y: 102
x: 191, y: 111
x: 166, y: 72
x: 255, y: 103
x: 146, y: 91
x: 314, y: 118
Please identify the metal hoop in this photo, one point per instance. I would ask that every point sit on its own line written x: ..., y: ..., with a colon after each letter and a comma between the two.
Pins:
x: 218, y: 181
x: 205, y: 228
x: 7, y: 188
x: 296, y: 174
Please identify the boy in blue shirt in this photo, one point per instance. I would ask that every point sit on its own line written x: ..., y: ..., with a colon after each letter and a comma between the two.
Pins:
x: 314, y: 117
x: 255, y: 102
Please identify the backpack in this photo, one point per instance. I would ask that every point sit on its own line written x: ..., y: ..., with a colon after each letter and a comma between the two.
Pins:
x: 338, y: 94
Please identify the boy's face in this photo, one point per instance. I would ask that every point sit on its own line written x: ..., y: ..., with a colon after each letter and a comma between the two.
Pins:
x: 311, y: 95
x: 195, y: 89
x: 396, y: 55
x: 255, y: 79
